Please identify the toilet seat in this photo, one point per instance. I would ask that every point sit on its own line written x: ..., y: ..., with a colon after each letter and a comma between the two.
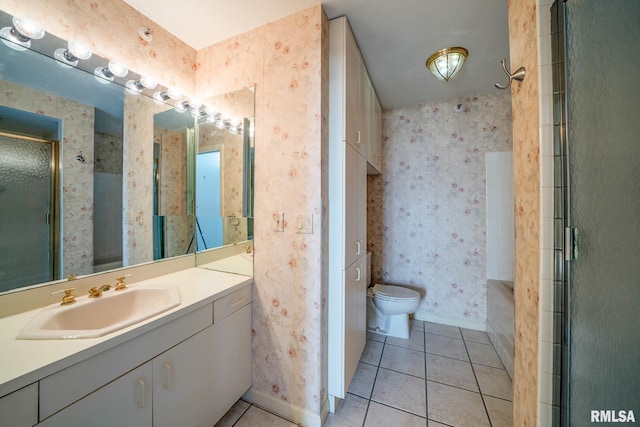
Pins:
x: 394, y: 293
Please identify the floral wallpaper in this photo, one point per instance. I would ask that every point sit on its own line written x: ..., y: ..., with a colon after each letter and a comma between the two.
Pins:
x: 137, y: 180
x: 77, y: 180
x: 426, y: 212
x: 287, y: 63
x: 523, y: 48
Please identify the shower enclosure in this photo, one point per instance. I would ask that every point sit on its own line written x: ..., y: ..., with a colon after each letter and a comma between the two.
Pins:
x: 29, y: 202
x: 596, y: 58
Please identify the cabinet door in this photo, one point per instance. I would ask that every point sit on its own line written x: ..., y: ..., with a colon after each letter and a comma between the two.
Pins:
x: 353, y: 248
x: 20, y: 408
x: 231, y: 360
x: 123, y: 402
x: 353, y: 92
x: 355, y: 317
x: 362, y: 207
x: 183, y: 384
x: 374, y: 141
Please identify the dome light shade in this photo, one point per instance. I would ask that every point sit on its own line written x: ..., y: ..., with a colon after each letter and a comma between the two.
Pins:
x: 445, y: 63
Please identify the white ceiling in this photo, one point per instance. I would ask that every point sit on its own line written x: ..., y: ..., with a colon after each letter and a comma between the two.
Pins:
x: 395, y: 37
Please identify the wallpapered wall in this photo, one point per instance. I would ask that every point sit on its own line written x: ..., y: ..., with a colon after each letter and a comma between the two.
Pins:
x: 426, y: 212
x: 287, y: 61
x: 77, y: 190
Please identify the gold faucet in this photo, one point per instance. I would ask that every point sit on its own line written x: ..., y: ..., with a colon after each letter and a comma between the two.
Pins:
x: 96, y: 292
x: 121, y: 285
x: 67, y: 299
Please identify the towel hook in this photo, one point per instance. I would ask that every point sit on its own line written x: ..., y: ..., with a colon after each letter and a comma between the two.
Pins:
x: 518, y: 75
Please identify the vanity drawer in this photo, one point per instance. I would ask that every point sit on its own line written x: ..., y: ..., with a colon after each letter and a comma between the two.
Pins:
x: 73, y: 383
x: 231, y: 303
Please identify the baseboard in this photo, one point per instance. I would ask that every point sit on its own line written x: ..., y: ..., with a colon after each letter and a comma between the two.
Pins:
x: 451, y: 321
x: 285, y: 409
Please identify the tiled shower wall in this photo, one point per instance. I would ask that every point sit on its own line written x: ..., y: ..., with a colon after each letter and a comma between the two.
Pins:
x: 500, y: 215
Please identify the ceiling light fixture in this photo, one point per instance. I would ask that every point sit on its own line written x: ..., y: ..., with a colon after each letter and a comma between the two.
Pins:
x: 74, y: 52
x: 163, y: 97
x: 445, y: 63
x: 23, y: 31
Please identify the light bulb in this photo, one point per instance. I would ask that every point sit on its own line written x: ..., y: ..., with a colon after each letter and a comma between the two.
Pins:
x: 117, y: 69
x: 28, y: 27
x: 79, y: 49
x: 23, y: 31
x: 148, y: 82
x: 174, y: 94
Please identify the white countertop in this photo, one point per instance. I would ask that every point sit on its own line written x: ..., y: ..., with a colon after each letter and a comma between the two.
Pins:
x: 241, y: 264
x: 23, y: 362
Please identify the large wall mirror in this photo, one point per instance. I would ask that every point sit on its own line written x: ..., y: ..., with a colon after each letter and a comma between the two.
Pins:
x: 99, y: 171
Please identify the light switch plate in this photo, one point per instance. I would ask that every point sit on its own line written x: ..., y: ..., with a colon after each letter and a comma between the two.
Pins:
x: 304, y: 223
x: 278, y: 221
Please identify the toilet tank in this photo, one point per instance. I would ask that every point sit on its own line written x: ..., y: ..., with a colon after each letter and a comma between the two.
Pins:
x: 368, y: 271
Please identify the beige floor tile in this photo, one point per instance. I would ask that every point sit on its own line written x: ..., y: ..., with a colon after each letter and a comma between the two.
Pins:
x: 363, y: 379
x: 484, y: 354
x: 384, y: 416
x: 400, y: 391
x: 374, y: 336
x: 444, y: 330
x: 432, y: 423
x: 456, y: 407
x: 500, y: 411
x: 372, y: 352
x: 445, y: 346
x: 415, y: 341
x: 450, y: 371
x: 259, y: 417
x: 350, y: 412
x: 418, y: 325
x: 475, y: 336
x: 403, y: 360
x: 233, y: 414
x: 494, y: 382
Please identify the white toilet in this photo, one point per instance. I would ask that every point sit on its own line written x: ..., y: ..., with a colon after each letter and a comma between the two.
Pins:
x: 388, y: 307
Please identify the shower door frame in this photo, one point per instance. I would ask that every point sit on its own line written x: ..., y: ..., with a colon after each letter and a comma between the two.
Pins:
x: 53, y: 219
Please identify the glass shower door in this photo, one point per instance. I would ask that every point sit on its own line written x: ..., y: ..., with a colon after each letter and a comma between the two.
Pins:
x: 26, y: 214
x: 602, y: 329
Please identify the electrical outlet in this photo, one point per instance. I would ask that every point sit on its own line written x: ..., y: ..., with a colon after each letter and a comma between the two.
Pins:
x: 304, y: 223
x: 278, y: 221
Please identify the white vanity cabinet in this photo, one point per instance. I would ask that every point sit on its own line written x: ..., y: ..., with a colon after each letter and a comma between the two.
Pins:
x: 20, y: 408
x: 188, y: 372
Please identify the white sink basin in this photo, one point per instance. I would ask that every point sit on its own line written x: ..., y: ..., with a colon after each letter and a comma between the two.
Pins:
x: 94, y: 317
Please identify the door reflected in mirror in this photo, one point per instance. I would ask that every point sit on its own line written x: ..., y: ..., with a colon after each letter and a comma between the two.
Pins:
x: 224, y: 171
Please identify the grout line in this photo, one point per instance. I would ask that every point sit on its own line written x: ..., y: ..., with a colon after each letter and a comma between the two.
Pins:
x: 241, y: 415
x: 477, y: 382
x: 426, y: 375
x: 445, y: 336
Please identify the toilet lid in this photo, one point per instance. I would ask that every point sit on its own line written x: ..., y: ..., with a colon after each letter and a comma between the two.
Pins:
x: 390, y: 292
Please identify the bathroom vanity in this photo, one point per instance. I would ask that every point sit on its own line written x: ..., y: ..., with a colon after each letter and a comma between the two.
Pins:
x: 186, y: 366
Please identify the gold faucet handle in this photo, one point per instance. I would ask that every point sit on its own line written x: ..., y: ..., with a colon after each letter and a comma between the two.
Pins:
x: 121, y: 285
x: 67, y: 298
x: 96, y: 292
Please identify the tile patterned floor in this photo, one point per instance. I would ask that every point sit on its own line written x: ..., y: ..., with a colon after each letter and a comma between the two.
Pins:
x: 441, y: 376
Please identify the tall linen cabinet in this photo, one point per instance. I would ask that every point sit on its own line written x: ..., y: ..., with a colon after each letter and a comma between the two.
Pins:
x: 355, y: 139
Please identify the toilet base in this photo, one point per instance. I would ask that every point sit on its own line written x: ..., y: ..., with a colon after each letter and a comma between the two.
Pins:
x: 393, y: 326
